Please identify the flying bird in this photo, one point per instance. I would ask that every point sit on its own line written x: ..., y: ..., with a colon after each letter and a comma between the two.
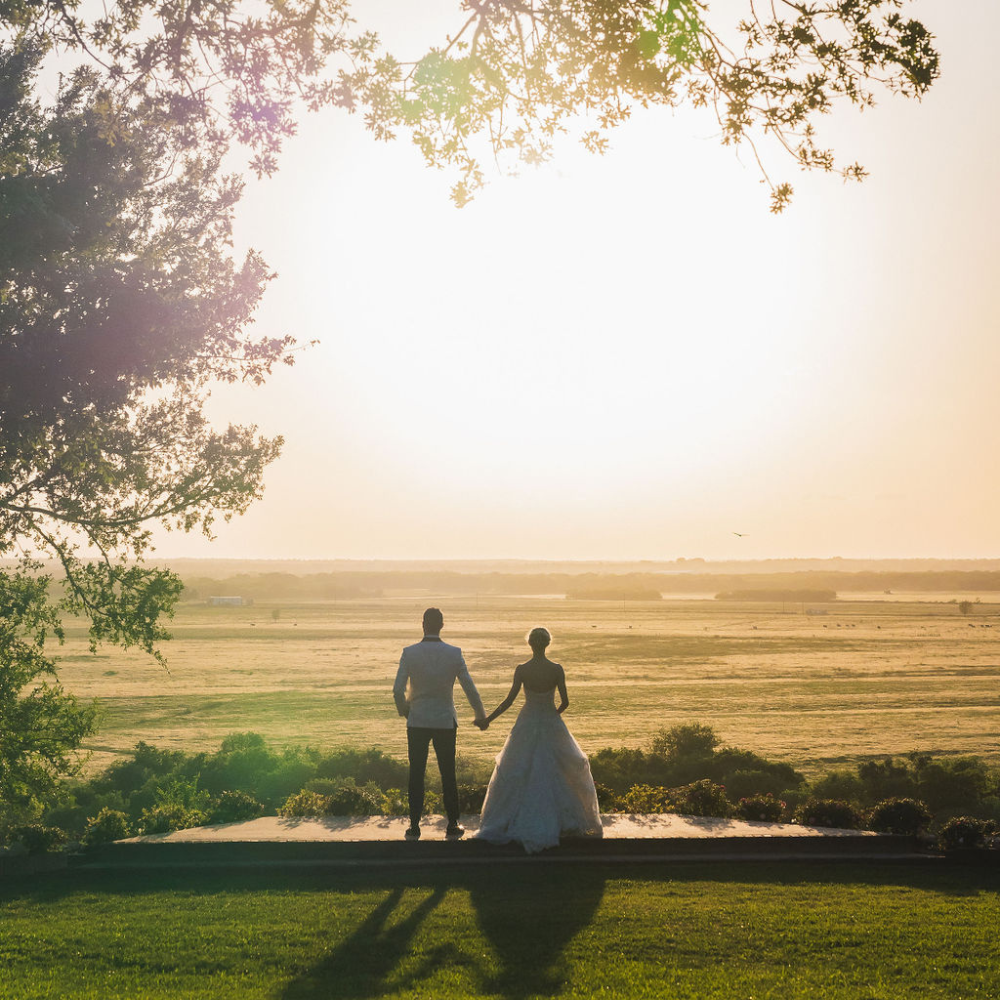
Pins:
x: 739, y: 534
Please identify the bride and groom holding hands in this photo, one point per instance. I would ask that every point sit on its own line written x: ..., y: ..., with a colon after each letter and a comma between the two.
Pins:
x: 541, y: 787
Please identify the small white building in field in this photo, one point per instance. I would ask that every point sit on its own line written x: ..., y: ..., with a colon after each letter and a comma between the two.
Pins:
x: 231, y: 602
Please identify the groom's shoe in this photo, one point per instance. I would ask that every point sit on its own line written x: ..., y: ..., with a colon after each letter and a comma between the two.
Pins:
x: 413, y: 833
x: 454, y: 831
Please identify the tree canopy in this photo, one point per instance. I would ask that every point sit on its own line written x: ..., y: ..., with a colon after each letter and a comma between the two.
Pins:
x: 120, y: 303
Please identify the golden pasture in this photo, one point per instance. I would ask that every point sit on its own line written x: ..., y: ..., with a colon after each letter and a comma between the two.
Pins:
x: 866, y: 678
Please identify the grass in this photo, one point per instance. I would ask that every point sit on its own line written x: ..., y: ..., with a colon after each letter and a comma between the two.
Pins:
x: 840, y: 932
x: 868, y: 678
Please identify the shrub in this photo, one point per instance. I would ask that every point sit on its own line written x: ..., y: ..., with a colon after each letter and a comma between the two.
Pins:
x: 754, y: 784
x: 292, y: 771
x: 607, y: 798
x: 962, y: 832
x: 622, y: 767
x: 470, y: 798
x: 903, y: 816
x: 957, y: 784
x: 235, y: 807
x: 702, y: 798
x: 305, y: 803
x: 884, y: 779
x: 689, y: 740
x: 363, y: 766
x: 760, y: 807
x: 833, y: 813
x: 646, y: 799
x: 840, y: 784
x: 37, y: 838
x: 106, y: 826
x: 170, y: 816
x: 396, y: 803
x: 352, y: 799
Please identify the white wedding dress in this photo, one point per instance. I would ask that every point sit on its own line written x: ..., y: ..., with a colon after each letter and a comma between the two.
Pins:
x: 541, y: 788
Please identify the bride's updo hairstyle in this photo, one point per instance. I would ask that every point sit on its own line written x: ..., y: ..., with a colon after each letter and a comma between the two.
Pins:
x: 539, y: 638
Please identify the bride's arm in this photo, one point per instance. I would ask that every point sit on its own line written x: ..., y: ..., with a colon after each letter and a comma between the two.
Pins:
x: 563, y: 697
x: 509, y: 700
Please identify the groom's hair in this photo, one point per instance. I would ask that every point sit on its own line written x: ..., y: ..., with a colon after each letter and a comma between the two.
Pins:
x: 433, y: 620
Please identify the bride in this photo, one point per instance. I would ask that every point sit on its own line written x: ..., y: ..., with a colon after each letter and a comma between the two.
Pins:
x: 541, y: 788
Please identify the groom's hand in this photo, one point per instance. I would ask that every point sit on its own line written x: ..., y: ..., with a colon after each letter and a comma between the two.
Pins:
x: 483, y: 724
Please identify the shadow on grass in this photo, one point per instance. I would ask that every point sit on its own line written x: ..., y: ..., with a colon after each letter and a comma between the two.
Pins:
x: 528, y: 921
x: 366, y: 963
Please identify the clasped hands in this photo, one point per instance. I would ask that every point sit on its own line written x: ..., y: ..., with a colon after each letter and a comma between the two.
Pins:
x: 482, y: 724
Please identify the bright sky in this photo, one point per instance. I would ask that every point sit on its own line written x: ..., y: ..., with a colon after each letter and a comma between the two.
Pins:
x: 627, y: 356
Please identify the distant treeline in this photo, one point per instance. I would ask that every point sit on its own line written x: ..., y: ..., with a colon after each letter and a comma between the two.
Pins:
x: 759, y: 594
x: 605, y: 589
x: 599, y: 586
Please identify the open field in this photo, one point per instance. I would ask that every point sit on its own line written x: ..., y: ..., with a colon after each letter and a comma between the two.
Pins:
x: 865, y: 678
x: 698, y: 932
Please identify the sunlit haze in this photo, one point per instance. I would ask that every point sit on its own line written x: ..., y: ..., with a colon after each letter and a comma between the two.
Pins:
x: 627, y: 356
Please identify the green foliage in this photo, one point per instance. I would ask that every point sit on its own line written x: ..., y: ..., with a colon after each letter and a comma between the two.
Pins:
x: 348, y: 798
x: 963, y: 833
x: 168, y: 817
x: 471, y: 797
x: 119, y: 304
x: 108, y: 825
x: 761, y: 808
x: 901, y: 816
x: 41, y: 726
x: 687, y: 753
x: 687, y: 740
x: 840, y: 784
x: 886, y: 778
x: 234, y: 807
x: 305, y: 803
x: 38, y: 838
x: 833, y: 813
x: 513, y: 77
x: 946, y: 786
x: 702, y: 798
x: 364, y: 766
x: 643, y: 799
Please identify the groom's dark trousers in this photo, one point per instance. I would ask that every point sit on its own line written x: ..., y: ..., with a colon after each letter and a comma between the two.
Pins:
x: 418, y: 740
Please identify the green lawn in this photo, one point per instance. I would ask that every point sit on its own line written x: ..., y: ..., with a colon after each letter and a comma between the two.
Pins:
x: 693, y: 931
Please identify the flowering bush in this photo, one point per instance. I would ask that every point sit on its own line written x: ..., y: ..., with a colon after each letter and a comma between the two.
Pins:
x: 646, y: 799
x: 903, y: 816
x: 963, y: 832
x: 833, y: 813
x: 106, y: 826
x: 702, y: 798
x: 305, y: 803
x: 760, y: 807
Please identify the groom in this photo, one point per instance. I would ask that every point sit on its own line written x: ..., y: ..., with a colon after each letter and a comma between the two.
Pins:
x: 432, y: 667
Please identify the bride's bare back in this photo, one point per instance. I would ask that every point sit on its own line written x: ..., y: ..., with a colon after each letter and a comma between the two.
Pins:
x: 538, y: 675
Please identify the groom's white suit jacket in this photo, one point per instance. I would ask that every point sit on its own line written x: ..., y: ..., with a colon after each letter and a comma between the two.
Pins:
x: 431, y: 668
